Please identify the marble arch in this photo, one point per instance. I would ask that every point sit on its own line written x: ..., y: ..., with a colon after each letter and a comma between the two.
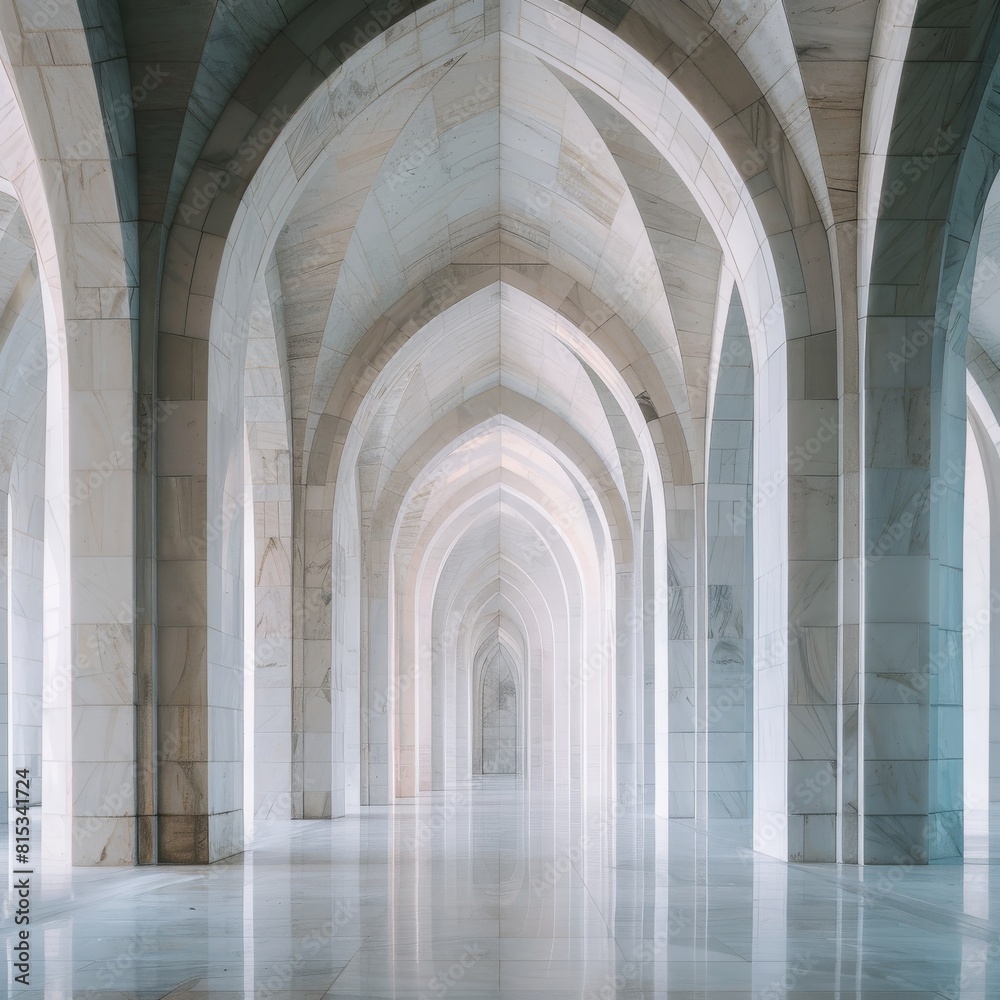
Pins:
x: 648, y: 348
x: 519, y: 601
x: 501, y: 746
x: 514, y: 467
x: 702, y: 183
x: 692, y: 142
x: 568, y: 581
x: 489, y: 581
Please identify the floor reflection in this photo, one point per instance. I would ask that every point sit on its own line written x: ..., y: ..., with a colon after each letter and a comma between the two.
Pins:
x: 487, y: 891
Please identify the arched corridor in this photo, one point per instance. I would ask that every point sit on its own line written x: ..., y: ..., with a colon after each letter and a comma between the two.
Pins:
x: 503, y: 463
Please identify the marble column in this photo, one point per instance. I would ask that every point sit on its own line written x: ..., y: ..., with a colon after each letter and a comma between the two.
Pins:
x: 682, y: 724
x: 5, y: 687
x: 982, y: 586
x: 652, y: 628
x: 60, y: 808
x: 313, y: 676
x: 629, y: 678
x: 813, y: 530
x: 976, y: 600
x: 376, y: 752
x: 844, y: 243
x: 729, y: 694
x: 25, y: 621
x: 413, y: 669
x: 268, y: 634
x: 922, y: 285
x: 345, y: 680
x: 200, y: 576
x: 910, y: 686
x: 993, y: 631
x: 272, y: 651
x: 48, y: 151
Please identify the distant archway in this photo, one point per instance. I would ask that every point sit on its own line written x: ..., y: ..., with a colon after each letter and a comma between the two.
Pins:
x: 498, y: 714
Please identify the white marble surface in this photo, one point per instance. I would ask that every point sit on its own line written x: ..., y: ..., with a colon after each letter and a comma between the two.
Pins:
x: 486, y: 891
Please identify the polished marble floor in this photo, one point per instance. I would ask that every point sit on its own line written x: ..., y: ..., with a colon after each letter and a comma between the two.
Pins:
x: 486, y: 891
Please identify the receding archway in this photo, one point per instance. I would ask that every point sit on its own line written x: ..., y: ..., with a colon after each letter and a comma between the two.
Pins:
x: 499, y: 746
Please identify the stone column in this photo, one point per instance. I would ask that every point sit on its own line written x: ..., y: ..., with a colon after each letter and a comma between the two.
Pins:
x: 681, y: 655
x: 729, y: 695
x: 5, y: 713
x: 312, y: 659
x: 907, y: 682
x: 272, y: 653
x: 25, y: 623
x: 200, y: 574
x: 628, y: 689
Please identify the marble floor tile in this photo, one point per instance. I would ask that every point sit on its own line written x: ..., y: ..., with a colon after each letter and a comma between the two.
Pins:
x: 513, y: 895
